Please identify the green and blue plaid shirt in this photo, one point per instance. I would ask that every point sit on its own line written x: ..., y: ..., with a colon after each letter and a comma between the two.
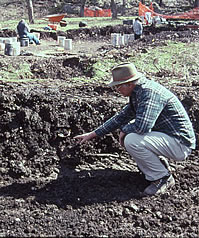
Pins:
x: 152, y: 107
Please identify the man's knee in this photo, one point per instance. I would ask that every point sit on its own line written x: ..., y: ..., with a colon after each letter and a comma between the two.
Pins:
x: 132, y: 141
x: 180, y: 157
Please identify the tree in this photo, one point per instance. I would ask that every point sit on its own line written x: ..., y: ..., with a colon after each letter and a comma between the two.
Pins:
x: 30, y: 11
x: 196, y: 3
x: 124, y: 7
x: 83, y: 2
x: 114, y: 9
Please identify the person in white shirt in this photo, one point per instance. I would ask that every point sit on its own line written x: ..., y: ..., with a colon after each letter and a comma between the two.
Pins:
x: 137, y: 28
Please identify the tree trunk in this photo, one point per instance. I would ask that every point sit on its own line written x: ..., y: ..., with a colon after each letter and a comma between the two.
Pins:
x: 114, y: 9
x: 30, y: 11
x: 124, y: 7
x: 196, y: 3
x: 83, y: 2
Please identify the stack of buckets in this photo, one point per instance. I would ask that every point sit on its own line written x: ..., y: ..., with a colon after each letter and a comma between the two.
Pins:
x: 65, y: 43
x: 10, y: 46
x: 117, y: 39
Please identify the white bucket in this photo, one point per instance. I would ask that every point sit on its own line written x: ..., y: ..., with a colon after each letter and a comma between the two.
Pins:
x: 131, y: 38
x: 68, y: 44
x: 115, y: 39
x: 17, y: 48
x: 37, y: 34
x: 60, y: 40
x: 13, y: 39
x: 12, y: 49
x: 126, y: 39
x: 121, y: 40
x: 2, y: 46
x: 8, y: 40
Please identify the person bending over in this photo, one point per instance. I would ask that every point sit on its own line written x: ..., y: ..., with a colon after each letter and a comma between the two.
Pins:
x: 153, y: 124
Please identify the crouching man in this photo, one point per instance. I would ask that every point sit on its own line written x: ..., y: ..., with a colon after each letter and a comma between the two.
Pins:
x: 154, y: 123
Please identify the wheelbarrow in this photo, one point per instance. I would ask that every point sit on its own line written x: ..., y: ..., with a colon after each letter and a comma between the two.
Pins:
x: 55, y: 19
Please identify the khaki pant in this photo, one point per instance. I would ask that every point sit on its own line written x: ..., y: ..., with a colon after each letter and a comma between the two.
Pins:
x: 146, y: 149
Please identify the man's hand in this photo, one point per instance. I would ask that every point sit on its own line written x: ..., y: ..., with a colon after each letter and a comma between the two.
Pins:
x: 121, y: 138
x: 85, y: 137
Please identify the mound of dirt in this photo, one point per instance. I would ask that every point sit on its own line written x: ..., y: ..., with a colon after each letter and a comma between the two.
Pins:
x: 50, y: 186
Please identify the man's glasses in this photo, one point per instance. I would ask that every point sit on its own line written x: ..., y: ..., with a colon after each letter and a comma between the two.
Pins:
x: 117, y: 87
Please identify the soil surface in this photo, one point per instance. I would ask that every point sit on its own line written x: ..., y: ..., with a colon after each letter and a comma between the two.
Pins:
x: 49, y: 185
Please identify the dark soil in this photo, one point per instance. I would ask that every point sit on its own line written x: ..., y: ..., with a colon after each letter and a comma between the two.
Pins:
x: 49, y: 185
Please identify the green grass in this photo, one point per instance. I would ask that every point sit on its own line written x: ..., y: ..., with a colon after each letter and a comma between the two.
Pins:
x: 10, y: 73
x: 174, y: 57
x: 101, y: 69
x: 172, y: 61
x: 72, y: 23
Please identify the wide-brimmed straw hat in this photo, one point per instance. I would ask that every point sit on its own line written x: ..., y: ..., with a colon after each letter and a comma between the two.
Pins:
x: 124, y: 73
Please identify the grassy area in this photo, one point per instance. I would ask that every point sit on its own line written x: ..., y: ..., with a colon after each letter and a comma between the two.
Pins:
x: 11, y: 73
x: 72, y: 23
x: 174, y: 62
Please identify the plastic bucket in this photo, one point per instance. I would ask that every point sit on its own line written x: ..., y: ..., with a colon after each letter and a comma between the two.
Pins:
x: 17, y: 48
x: 24, y: 42
x: 60, y: 40
x: 13, y: 39
x: 115, y: 39
x: 8, y: 49
x: 126, y: 39
x: 8, y: 40
x: 3, y: 40
x: 2, y: 46
x: 131, y: 38
x: 121, y: 40
x: 12, y: 49
x: 68, y: 44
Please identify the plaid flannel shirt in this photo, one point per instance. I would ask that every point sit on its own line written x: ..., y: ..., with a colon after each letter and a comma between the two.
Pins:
x: 152, y: 107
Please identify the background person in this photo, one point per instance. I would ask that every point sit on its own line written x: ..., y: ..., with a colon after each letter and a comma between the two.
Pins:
x: 24, y: 31
x: 154, y: 123
x: 138, y: 28
x: 148, y: 18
